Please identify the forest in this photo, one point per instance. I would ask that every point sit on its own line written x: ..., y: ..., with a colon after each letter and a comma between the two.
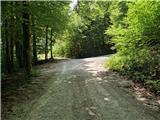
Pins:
x: 33, y: 32
x: 38, y: 32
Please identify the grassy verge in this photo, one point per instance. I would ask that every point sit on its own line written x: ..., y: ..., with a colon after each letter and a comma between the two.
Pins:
x: 145, y: 74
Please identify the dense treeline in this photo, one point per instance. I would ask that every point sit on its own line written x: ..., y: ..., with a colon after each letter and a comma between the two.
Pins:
x: 31, y: 30
x: 135, y: 31
x: 28, y: 29
x: 85, y: 34
x: 16, y: 37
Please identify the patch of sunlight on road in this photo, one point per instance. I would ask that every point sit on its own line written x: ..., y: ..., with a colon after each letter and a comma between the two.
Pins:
x: 69, y: 82
x: 141, y: 99
x: 90, y: 112
x: 90, y: 80
x: 106, y: 99
x: 94, y: 66
x: 99, y: 79
x: 105, y: 80
x: 72, y: 77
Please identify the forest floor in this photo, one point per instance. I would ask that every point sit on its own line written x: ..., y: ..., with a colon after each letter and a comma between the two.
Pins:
x: 79, y: 89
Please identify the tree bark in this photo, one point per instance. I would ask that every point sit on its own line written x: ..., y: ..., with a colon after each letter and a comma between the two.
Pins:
x: 10, y: 40
x: 27, y: 38
x: 51, y: 44
x: 18, y: 41
x: 7, y: 49
x: 34, y: 42
x: 12, y: 52
x: 19, y: 54
x: 46, y: 44
x: 12, y: 36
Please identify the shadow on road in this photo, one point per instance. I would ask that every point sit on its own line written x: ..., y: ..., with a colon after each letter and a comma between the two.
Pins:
x: 76, y: 89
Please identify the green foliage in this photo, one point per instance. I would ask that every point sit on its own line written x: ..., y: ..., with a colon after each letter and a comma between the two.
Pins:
x: 135, y: 34
x: 53, y: 14
x: 85, y: 32
x: 154, y: 84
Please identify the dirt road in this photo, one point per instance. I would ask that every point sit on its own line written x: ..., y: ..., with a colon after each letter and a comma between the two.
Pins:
x: 81, y: 89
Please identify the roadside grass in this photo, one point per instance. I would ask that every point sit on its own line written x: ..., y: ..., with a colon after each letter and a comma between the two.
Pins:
x: 115, y: 63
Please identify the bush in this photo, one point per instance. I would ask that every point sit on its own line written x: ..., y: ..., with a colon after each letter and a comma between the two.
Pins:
x: 135, y: 34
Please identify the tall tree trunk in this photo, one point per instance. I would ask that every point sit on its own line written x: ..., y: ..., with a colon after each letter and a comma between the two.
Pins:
x: 19, y: 46
x: 46, y: 44
x: 12, y: 35
x: 3, y: 47
x: 34, y: 42
x: 27, y: 38
x: 7, y: 48
x: 18, y: 42
x: 19, y: 54
x: 51, y: 44
x: 9, y: 40
x: 35, y: 59
x: 12, y: 52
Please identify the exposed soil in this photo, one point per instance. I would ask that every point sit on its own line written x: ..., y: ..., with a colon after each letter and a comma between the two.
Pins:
x: 79, y: 89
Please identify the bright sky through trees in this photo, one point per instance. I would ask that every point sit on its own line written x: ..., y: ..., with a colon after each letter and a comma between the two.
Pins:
x: 73, y: 4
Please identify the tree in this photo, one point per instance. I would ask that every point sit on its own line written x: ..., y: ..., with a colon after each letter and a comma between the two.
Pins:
x: 86, y: 31
x: 35, y: 59
x: 135, y: 34
x: 49, y: 15
x: 22, y: 27
x: 46, y: 44
x: 27, y: 38
x: 8, y: 24
x: 51, y: 43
